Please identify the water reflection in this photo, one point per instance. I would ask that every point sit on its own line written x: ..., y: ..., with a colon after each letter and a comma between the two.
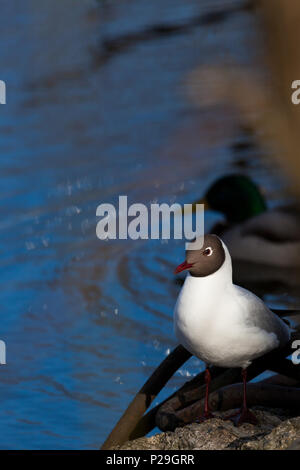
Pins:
x: 86, y: 321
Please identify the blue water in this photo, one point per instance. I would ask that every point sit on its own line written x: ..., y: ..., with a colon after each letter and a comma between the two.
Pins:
x: 86, y: 321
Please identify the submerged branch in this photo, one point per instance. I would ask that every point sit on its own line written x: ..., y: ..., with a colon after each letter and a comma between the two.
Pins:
x: 112, y: 46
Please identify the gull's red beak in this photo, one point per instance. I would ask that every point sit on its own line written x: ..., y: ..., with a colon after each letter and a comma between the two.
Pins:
x: 182, y: 267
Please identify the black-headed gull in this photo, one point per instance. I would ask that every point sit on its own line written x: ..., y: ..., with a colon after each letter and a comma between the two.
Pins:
x: 219, y: 322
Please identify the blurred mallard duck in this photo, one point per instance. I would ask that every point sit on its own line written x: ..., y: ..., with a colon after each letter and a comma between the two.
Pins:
x: 251, y: 231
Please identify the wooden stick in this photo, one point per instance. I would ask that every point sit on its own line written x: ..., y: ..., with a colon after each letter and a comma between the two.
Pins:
x: 285, y: 312
x: 148, y: 421
x: 129, y: 420
x: 167, y: 416
x: 133, y: 424
x: 227, y: 398
x: 285, y: 367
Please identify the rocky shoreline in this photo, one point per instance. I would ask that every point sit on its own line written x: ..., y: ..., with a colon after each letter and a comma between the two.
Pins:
x: 277, y: 430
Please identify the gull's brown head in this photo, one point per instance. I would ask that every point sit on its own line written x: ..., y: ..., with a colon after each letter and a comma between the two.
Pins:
x: 206, y: 260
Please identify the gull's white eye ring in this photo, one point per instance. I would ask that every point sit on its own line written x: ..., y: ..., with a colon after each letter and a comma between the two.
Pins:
x: 208, y: 251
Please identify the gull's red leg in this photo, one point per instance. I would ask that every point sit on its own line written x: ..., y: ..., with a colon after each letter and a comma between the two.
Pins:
x: 244, y: 415
x: 207, y: 414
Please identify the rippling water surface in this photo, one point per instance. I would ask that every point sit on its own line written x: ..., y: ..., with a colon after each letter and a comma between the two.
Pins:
x: 86, y: 321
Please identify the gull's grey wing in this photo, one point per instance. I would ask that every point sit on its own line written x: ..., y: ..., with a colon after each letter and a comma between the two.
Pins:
x: 262, y: 317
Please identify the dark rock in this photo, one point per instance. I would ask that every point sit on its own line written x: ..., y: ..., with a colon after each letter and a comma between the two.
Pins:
x: 275, y: 431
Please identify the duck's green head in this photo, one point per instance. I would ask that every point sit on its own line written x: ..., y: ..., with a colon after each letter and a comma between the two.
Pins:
x: 237, y: 197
